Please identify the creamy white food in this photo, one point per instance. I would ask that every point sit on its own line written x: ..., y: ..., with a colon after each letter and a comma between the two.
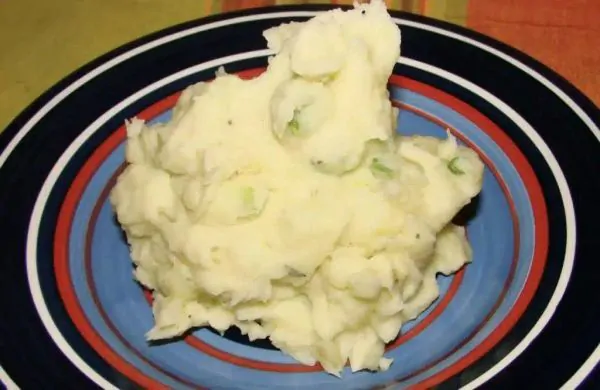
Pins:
x: 287, y: 206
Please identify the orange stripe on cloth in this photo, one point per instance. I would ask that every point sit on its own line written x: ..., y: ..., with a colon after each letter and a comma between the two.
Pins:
x: 563, y: 34
x: 413, y: 6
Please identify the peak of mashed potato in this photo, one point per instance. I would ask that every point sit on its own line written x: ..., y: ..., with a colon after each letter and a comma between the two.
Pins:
x: 287, y: 206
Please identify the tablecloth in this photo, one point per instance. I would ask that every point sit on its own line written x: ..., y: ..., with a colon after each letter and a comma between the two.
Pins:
x: 41, y: 41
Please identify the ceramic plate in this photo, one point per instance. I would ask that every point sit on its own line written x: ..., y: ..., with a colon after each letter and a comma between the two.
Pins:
x: 524, y: 314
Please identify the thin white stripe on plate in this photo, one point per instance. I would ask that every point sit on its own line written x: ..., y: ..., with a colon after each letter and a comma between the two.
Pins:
x: 583, y: 371
x: 124, y: 57
x: 36, y: 216
x: 565, y: 193
x: 516, y: 63
x: 593, y: 360
x: 10, y: 385
x: 161, y: 41
x: 537, y: 140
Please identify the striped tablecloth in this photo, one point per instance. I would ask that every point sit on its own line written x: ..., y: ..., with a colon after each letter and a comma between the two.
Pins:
x: 41, y: 41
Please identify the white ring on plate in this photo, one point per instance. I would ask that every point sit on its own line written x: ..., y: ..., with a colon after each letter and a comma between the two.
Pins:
x: 36, y: 215
x: 583, y: 371
x: 6, y: 381
x: 89, y: 131
x: 565, y: 194
x: 57, y: 99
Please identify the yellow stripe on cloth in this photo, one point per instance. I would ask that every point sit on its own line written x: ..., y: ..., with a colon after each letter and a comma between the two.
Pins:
x: 454, y: 11
x: 43, y: 41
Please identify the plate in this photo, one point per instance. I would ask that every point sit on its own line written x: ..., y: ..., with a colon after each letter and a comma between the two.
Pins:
x: 524, y: 313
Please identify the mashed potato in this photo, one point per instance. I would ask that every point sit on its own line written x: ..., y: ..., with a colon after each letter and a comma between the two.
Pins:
x: 287, y: 206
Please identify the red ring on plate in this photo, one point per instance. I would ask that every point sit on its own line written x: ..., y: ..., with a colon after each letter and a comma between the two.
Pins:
x: 540, y: 216
x: 208, y: 349
x: 79, y: 184
x: 61, y: 259
x: 196, y: 342
x: 61, y: 254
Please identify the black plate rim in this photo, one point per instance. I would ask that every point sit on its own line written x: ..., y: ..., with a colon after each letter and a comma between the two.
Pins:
x: 579, y: 99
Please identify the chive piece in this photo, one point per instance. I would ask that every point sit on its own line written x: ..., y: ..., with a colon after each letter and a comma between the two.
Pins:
x: 329, y: 78
x: 454, y: 168
x: 293, y: 125
x: 377, y: 167
x: 248, y: 197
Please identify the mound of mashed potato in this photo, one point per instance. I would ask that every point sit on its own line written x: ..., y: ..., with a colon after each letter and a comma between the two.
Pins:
x: 287, y: 205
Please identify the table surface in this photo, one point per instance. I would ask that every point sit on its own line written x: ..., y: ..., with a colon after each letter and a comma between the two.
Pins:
x: 42, y: 41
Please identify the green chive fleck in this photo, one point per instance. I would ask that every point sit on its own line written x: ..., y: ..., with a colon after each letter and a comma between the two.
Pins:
x: 329, y: 78
x: 248, y: 197
x: 293, y: 125
x: 377, y: 167
x: 454, y: 168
